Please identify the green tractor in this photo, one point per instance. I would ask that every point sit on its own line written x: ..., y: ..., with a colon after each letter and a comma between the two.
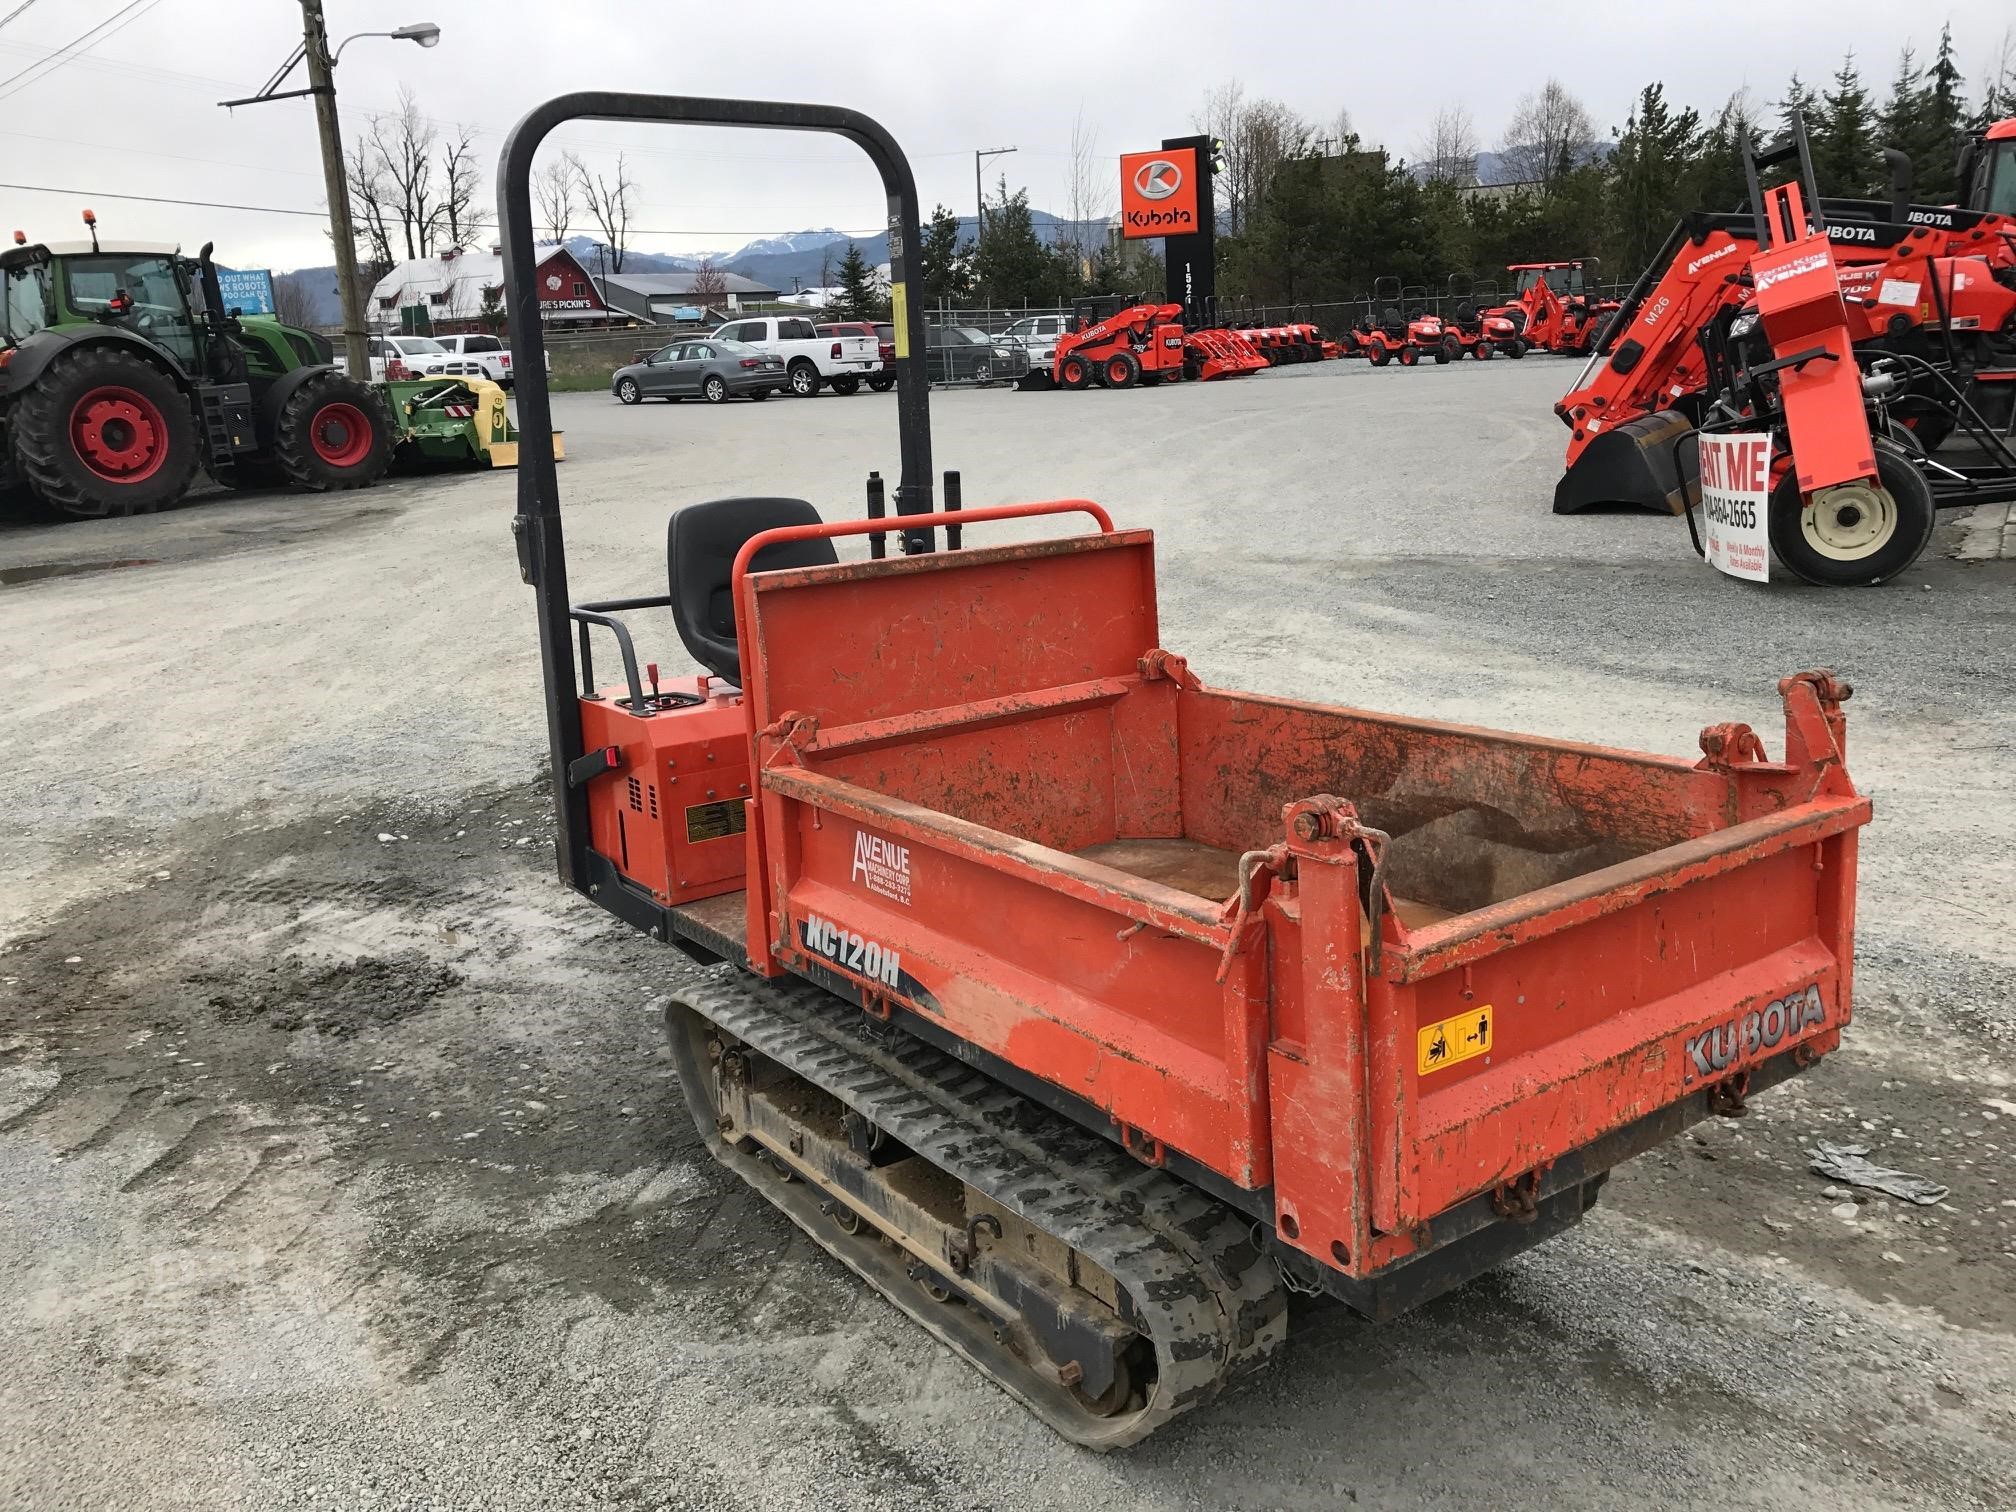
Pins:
x: 122, y: 374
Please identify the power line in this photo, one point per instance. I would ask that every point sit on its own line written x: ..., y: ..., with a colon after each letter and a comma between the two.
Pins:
x: 155, y: 199
x: 16, y: 11
x: 125, y: 16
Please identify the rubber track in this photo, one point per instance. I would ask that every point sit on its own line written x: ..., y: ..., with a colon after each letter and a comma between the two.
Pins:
x: 1205, y: 1295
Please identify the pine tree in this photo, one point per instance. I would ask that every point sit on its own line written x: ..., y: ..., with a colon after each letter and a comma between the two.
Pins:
x: 1010, y: 263
x: 860, y: 294
x: 1716, y: 180
x: 1799, y: 104
x: 1936, y: 160
x: 1844, y: 148
x: 1648, y: 178
x: 944, y: 262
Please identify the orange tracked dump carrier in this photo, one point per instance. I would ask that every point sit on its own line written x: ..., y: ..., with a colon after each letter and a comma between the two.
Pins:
x: 1086, y: 1009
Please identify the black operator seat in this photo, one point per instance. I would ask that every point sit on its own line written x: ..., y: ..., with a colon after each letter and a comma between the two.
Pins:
x: 701, y: 542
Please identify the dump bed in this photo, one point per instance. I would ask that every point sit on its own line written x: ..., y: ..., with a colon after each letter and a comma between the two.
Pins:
x: 1383, y: 980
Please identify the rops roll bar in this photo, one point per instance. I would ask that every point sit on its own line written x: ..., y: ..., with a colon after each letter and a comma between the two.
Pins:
x: 542, y: 558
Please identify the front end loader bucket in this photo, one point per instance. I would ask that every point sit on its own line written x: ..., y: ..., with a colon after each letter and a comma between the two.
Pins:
x: 1222, y: 354
x: 1652, y: 462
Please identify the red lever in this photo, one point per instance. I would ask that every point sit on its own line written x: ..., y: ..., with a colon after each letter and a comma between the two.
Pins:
x: 651, y: 671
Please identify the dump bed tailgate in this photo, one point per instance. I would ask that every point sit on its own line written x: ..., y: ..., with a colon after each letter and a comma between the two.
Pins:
x: 1509, y: 1037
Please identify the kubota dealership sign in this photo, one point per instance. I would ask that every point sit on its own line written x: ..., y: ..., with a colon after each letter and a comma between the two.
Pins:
x: 1158, y: 193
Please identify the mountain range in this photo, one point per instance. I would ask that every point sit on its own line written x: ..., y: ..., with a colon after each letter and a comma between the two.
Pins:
x: 798, y: 260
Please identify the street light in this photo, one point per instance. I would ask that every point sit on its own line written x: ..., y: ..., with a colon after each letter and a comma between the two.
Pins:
x: 426, y: 33
x: 314, y: 50
x: 979, y: 194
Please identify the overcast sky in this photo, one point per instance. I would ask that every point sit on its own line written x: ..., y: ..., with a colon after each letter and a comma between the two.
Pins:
x: 136, y: 112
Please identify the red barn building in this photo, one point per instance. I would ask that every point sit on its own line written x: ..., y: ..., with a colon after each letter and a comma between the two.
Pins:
x: 464, y: 291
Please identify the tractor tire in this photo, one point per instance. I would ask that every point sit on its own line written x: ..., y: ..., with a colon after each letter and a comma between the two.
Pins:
x: 103, y: 432
x: 1409, y: 357
x: 1450, y: 350
x: 847, y: 385
x: 1483, y: 351
x: 715, y: 389
x: 333, y: 433
x: 1516, y: 347
x: 804, y: 379
x: 1378, y: 355
x: 1121, y: 370
x: 1858, y: 536
x: 1074, y: 373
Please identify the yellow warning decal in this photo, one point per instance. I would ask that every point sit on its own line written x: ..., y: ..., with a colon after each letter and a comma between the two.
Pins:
x: 899, y: 306
x: 1455, y: 1039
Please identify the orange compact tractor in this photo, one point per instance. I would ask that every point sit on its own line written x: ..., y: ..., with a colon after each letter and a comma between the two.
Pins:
x: 1087, y: 1010
x: 1557, y: 306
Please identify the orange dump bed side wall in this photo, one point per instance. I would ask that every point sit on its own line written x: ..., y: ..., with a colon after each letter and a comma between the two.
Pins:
x: 936, y: 735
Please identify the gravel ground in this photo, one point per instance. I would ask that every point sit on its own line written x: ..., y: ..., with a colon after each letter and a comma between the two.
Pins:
x: 340, y: 1164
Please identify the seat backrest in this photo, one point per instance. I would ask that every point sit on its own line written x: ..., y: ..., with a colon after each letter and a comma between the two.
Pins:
x: 701, y: 542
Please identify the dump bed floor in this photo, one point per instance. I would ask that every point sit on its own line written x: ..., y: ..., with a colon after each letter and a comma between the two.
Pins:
x: 1207, y: 872
x: 1188, y: 865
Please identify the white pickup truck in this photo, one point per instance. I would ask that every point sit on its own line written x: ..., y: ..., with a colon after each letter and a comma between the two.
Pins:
x: 810, y: 359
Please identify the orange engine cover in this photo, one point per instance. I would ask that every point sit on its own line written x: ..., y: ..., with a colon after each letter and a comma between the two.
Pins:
x: 670, y: 814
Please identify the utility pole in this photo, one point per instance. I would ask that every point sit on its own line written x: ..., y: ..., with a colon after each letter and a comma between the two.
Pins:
x: 314, y: 51
x: 336, y: 184
x: 979, y: 194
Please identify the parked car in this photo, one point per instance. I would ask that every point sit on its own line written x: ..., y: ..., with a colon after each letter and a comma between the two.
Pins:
x: 882, y: 334
x: 700, y: 367
x: 477, y: 356
x: 397, y: 357
x: 1037, y: 335
x: 810, y: 360
x: 961, y: 354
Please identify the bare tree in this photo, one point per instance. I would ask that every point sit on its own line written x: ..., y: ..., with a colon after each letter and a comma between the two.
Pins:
x: 370, y: 204
x: 1337, y: 136
x: 1258, y: 135
x: 294, y: 300
x: 1448, y: 153
x: 1088, y: 190
x: 462, y: 217
x: 1998, y: 83
x: 392, y: 180
x: 710, y: 284
x: 554, y: 188
x: 609, y: 206
x: 1549, y: 135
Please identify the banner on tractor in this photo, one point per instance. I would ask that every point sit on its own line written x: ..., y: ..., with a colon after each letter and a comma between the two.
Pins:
x: 1735, y: 504
x: 1158, y: 193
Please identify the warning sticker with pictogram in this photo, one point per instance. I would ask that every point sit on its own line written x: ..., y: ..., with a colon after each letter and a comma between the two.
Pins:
x: 1455, y: 1040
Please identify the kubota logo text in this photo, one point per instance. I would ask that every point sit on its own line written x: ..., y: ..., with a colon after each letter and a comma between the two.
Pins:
x: 1714, y: 1051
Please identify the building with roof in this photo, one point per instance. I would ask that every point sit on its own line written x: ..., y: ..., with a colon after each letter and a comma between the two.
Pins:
x: 660, y: 297
x: 464, y: 291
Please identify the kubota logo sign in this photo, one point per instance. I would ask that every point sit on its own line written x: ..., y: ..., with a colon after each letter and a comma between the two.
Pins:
x: 1157, y: 180
x: 1158, y: 193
